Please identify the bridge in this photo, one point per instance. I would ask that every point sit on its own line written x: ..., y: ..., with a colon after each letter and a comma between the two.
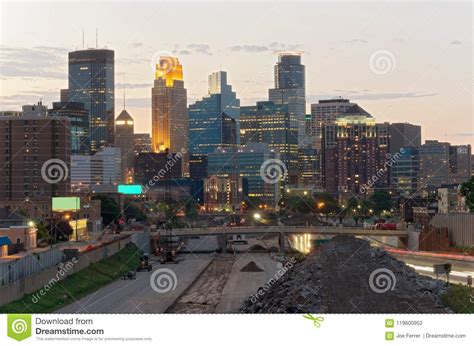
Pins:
x: 287, y: 230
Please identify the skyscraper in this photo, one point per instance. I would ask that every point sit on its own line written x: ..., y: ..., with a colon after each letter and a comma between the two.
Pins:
x: 36, y: 157
x: 290, y: 88
x: 214, y: 121
x: 274, y: 125
x: 92, y: 82
x: 322, y: 113
x: 124, y: 139
x: 434, y: 164
x: 79, y: 117
x: 355, y: 151
x: 404, y: 135
x: 169, y: 111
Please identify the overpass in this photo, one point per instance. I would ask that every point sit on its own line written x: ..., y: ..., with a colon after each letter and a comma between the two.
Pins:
x: 287, y: 230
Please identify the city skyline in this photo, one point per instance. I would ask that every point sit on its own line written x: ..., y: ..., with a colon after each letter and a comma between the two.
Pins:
x: 425, y: 85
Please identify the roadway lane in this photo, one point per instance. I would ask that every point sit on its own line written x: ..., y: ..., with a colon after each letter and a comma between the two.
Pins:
x: 137, y: 296
x: 424, y: 265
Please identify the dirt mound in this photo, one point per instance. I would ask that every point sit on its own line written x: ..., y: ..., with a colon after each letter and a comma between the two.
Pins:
x: 347, y: 275
x: 251, y: 267
x: 257, y: 247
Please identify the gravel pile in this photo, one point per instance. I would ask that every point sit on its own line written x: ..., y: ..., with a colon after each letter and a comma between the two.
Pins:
x: 347, y: 275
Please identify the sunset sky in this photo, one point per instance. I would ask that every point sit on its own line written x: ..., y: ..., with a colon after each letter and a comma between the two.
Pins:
x: 429, y: 48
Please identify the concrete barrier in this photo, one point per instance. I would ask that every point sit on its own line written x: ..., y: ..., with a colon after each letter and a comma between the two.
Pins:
x: 17, y: 289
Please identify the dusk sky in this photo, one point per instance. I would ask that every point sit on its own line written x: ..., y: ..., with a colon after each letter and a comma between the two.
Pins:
x: 427, y: 48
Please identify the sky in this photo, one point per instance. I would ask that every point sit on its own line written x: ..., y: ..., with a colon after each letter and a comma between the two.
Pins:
x: 401, y: 61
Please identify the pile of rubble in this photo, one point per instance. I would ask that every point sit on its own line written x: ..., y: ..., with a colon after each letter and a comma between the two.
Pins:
x: 347, y: 275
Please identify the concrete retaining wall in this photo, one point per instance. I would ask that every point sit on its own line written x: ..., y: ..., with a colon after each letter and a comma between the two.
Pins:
x: 30, y: 284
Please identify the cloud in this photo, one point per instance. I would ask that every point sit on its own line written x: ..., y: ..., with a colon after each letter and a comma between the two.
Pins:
x: 456, y: 42
x: 37, y: 62
x: 464, y: 134
x: 200, y: 48
x: 136, y: 44
x: 133, y: 85
x: 14, y: 102
x: 368, y: 95
x: 357, y: 40
x: 272, y: 47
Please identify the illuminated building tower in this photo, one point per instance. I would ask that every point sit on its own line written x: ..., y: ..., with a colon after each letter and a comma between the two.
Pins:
x: 213, y: 121
x: 92, y: 82
x: 274, y: 125
x: 124, y: 139
x: 290, y: 89
x: 322, y: 113
x: 355, y: 151
x: 169, y: 112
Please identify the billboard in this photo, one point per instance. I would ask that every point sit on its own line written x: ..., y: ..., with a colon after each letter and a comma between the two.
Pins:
x: 66, y: 204
x: 130, y: 189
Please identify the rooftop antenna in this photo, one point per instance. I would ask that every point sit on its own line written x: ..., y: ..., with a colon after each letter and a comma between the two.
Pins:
x: 96, y: 37
x: 82, y: 38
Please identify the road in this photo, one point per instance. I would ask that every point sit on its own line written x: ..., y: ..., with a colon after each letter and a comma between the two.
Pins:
x: 137, y: 296
x: 424, y: 265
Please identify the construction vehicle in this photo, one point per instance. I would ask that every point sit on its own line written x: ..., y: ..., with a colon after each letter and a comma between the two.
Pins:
x: 144, y: 263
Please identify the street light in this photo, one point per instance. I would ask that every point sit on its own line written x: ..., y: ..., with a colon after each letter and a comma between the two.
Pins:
x: 257, y: 216
x: 31, y: 223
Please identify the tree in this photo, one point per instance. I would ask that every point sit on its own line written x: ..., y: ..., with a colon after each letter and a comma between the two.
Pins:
x: 133, y: 212
x: 110, y: 211
x: 467, y: 191
x: 61, y: 230
x: 381, y: 201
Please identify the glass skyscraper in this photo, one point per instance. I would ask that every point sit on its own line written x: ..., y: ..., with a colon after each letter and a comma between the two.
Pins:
x: 214, y: 121
x: 290, y: 89
x: 91, y: 82
x: 271, y: 123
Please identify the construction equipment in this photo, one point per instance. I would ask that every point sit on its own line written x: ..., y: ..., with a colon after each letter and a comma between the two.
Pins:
x: 131, y: 275
x: 144, y: 264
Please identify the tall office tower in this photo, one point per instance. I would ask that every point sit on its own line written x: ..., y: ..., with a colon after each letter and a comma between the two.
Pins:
x: 355, y: 150
x: 92, y: 82
x: 87, y: 171
x: 404, y: 135
x: 149, y: 166
x: 124, y: 138
x: 111, y: 164
x: 169, y: 112
x: 434, y: 164
x: 247, y: 161
x: 459, y: 163
x: 273, y: 124
x: 214, y: 120
x: 30, y: 143
x: 64, y: 95
x: 38, y: 110
x: 309, y: 167
x: 79, y: 118
x: 290, y: 89
x: 322, y: 113
x: 405, y: 170
x: 142, y: 143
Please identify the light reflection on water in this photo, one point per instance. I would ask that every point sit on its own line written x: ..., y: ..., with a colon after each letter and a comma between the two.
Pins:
x: 302, y: 242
